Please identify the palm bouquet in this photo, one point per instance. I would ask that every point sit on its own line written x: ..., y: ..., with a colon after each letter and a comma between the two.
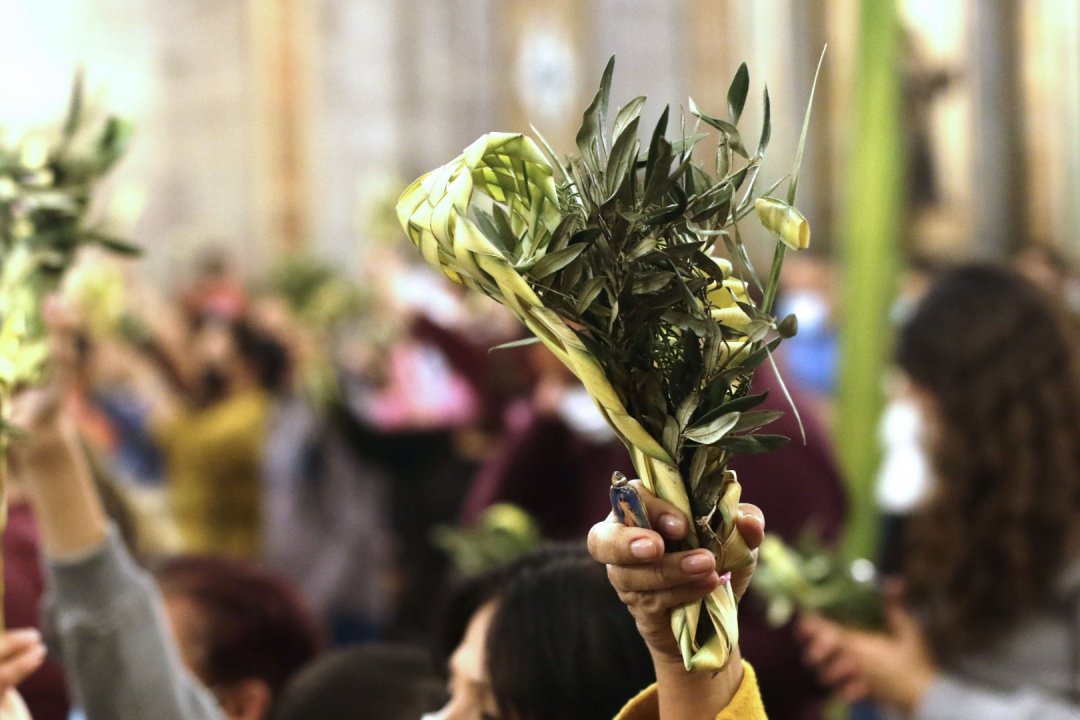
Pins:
x: 46, y: 184
x: 607, y: 258
x: 810, y: 577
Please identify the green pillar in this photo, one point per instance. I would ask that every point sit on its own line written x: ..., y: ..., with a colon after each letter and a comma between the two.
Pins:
x: 868, y: 251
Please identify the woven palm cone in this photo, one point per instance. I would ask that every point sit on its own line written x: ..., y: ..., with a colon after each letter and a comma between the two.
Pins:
x: 608, y: 268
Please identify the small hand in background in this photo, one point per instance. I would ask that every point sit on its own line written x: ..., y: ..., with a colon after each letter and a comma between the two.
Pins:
x: 21, y: 653
x: 37, y: 411
x: 894, y: 669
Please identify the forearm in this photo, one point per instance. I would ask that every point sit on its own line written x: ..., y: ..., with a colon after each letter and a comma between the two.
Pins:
x: 115, y: 642
x: 686, y: 695
x: 58, y: 483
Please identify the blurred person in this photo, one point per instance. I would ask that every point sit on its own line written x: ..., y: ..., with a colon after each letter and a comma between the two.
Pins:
x: 545, y: 638
x: 651, y: 580
x: 811, y: 356
x: 45, y: 690
x: 243, y: 631
x: 803, y: 488
x: 326, y: 504
x: 554, y: 446
x: 371, y: 682
x: 985, y: 623
x: 111, y: 623
x: 215, y: 288
x: 214, y: 450
x: 558, y: 448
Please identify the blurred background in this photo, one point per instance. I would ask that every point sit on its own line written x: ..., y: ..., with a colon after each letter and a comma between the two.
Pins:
x: 272, y: 138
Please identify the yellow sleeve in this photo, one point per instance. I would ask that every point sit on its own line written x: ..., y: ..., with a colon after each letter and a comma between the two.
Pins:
x: 745, y: 705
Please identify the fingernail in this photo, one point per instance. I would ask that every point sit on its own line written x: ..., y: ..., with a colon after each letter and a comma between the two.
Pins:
x: 670, y: 524
x: 697, y: 563
x: 725, y: 578
x: 749, y: 516
x: 26, y: 634
x: 643, y: 549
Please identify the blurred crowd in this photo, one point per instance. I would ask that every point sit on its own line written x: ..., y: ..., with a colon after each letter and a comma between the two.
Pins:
x: 294, y: 458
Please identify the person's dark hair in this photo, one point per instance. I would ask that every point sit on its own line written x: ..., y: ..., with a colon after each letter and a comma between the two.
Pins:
x: 999, y: 359
x: 371, y: 682
x: 255, y: 624
x: 266, y: 356
x: 561, y: 644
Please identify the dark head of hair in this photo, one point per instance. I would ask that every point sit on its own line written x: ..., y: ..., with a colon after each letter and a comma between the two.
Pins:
x: 255, y: 623
x: 562, y: 646
x: 267, y: 357
x: 371, y: 682
x: 998, y: 358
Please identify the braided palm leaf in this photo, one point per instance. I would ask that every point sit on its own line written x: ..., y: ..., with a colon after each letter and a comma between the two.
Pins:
x: 607, y: 268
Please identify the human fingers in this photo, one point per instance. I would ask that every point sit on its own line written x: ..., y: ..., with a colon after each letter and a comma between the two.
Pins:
x: 855, y: 690
x: 12, y: 707
x: 612, y: 543
x: 839, y: 670
x: 667, y: 519
x: 18, y: 641
x: 21, y: 653
x: 655, y: 606
x: 670, y: 571
x: 822, y: 639
x: 750, y: 522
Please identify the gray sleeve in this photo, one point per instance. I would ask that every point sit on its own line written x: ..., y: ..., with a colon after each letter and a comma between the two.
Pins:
x: 118, y: 653
x: 952, y: 699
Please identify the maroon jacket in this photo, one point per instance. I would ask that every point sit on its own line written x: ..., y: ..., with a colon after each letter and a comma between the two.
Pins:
x: 45, y: 691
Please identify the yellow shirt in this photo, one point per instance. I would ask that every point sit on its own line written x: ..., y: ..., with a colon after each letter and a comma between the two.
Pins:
x: 214, y: 468
x: 745, y: 705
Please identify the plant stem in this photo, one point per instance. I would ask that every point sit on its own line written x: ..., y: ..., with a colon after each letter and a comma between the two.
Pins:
x: 774, y: 278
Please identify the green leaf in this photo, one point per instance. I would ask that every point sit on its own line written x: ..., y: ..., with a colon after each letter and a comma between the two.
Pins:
x: 621, y: 161
x: 589, y: 293
x: 766, y: 126
x: 549, y: 153
x: 650, y: 282
x: 758, y: 356
x: 753, y: 444
x: 491, y: 230
x: 712, y: 432
x: 734, y: 138
x: 590, y: 136
x: 553, y: 262
x: 689, y: 323
x: 671, y: 436
x: 655, y: 145
x: 756, y: 419
x: 643, y: 248
x: 685, y: 144
x: 671, y: 212
x: 629, y: 113
x: 736, y: 94
x: 687, y: 408
x: 111, y: 243
x: 524, y: 342
x: 793, y: 185
x: 697, y: 466
x: 75, y: 107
